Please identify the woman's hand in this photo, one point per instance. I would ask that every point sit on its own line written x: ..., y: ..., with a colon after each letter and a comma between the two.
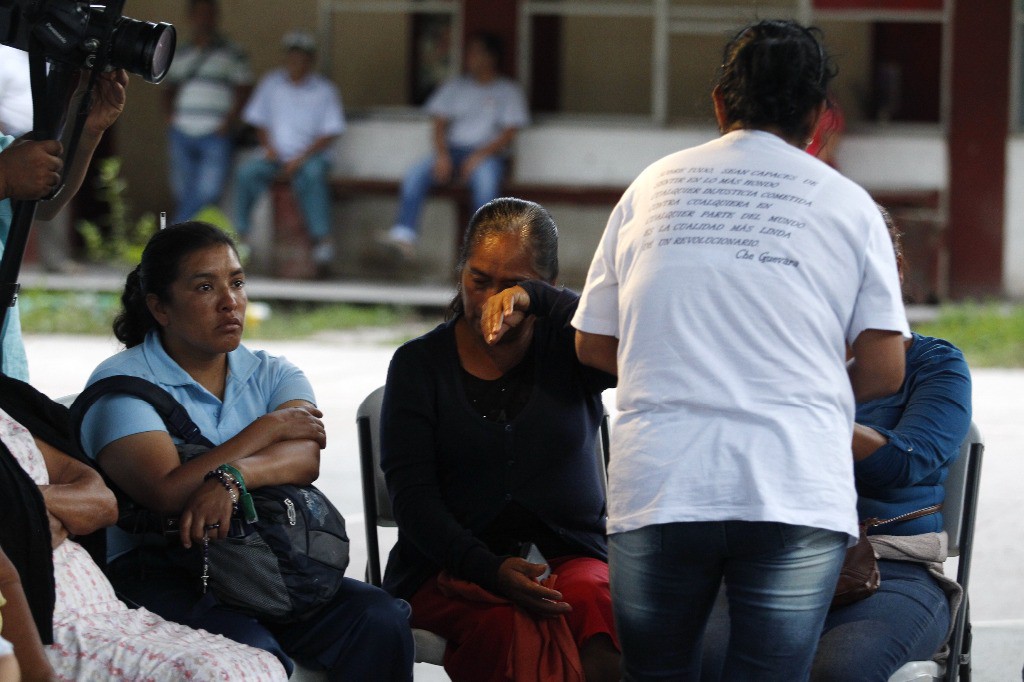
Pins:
x: 295, y: 423
x: 209, y: 505
x: 517, y: 579
x: 502, y: 312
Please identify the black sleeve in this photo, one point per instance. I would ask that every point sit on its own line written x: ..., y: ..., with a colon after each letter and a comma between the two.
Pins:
x: 50, y: 422
x: 25, y: 539
x: 45, y: 419
x: 409, y: 460
x: 559, y: 304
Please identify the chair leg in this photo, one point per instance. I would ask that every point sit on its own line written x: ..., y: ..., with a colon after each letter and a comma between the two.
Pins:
x: 965, y: 652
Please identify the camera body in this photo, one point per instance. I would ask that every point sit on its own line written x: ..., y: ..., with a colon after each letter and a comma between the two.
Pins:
x: 83, y: 35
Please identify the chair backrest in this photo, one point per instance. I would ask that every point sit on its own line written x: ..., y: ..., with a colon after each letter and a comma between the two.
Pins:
x: 956, y: 488
x: 959, y: 511
x: 376, y: 501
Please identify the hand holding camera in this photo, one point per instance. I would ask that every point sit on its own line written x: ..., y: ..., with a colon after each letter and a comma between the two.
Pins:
x: 30, y: 169
x: 108, y: 100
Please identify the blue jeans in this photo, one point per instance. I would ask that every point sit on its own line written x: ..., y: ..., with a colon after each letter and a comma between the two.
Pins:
x: 484, y: 184
x: 199, y: 171
x: 664, y: 579
x: 309, y: 184
x: 906, y: 620
x: 363, y: 634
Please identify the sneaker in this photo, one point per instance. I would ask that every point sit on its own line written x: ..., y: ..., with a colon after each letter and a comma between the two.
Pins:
x: 323, y: 252
x: 400, y: 241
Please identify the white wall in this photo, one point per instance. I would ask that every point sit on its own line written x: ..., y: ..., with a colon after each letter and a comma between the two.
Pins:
x: 613, y: 151
x: 1013, y: 238
x: 595, y: 151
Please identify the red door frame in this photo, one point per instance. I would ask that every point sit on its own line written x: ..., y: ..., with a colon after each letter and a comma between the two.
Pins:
x: 979, y: 125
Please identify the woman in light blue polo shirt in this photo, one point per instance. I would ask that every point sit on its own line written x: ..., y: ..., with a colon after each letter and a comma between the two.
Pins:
x: 182, y: 321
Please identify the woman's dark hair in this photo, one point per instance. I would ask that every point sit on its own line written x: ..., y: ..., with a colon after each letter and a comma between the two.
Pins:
x: 509, y: 215
x: 157, y: 271
x: 774, y: 73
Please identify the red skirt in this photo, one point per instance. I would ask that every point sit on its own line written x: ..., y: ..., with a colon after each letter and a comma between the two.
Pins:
x: 480, y: 634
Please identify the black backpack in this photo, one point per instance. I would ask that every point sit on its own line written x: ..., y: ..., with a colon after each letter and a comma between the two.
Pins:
x: 282, y: 567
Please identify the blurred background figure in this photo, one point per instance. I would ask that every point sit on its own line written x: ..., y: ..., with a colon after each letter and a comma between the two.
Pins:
x: 476, y: 117
x: 297, y: 115
x: 206, y: 89
x: 32, y: 169
x: 15, y: 92
x: 16, y: 120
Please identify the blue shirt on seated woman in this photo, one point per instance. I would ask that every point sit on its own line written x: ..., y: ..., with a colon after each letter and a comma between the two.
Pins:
x: 922, y: 427
x: 903, y: 446
x: 184, y: 312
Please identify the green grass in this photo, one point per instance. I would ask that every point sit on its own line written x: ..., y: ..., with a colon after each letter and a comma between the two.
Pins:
x: 304, y: 320
x: 53, y: 312
x: 61, y: 312
x: 990, y: 335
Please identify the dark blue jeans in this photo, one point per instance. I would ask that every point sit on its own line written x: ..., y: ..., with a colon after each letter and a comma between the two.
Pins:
x: 199, y: 170
x: 363, y: 634
x: 906, y: 620
x: 309, y: 183
x: 665, y: 578
x: 484, y: 184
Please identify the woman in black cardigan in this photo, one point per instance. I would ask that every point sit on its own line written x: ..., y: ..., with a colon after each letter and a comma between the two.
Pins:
x: 488, y: 437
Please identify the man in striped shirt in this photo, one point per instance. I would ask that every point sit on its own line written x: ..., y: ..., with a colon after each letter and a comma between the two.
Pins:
x: 209, y: 82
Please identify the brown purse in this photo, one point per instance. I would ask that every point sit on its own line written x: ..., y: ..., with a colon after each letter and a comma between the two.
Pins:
x: 859, y: 577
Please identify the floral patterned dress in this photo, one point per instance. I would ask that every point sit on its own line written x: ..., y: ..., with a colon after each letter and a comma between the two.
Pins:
x: 96, y: 637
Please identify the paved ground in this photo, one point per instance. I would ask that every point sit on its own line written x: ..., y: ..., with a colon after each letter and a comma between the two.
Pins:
x: 346, y: 367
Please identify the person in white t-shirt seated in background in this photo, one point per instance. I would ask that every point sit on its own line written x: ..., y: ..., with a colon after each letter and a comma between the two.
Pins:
x: 298, y: 115
x: 476, y: 117
x: 729, y: 280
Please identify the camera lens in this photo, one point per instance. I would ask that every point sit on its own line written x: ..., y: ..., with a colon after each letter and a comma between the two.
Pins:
x: 143, y: 48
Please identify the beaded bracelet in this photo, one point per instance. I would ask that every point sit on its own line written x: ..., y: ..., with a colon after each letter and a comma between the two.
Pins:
x: 244, y: 497
x: 224, y: 481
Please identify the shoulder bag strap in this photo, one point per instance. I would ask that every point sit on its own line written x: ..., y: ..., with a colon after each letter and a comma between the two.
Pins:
x: 177, y: 420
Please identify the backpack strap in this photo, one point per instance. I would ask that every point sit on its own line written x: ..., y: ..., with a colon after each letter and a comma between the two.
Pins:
x: 175, y: 416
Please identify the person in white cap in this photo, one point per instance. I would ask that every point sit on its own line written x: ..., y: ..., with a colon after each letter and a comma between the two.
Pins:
x: 297, y: 115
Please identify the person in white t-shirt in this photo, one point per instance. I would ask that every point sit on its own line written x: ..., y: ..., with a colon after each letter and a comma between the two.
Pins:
x: 298, y: 115
x: 727, y: 284
x: 15, y: 92
x: 476, y: 117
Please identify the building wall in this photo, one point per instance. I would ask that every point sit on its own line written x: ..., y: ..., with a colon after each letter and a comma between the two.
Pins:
x: 606, y: 70
x: 605, y: 66
x: 256, y: 25
x: 1013, y: 253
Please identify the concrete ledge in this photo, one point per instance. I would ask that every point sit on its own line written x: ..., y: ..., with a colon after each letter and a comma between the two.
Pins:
x: 266, y: 289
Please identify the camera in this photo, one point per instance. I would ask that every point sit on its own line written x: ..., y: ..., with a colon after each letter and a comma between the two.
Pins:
x: 85, y: 35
